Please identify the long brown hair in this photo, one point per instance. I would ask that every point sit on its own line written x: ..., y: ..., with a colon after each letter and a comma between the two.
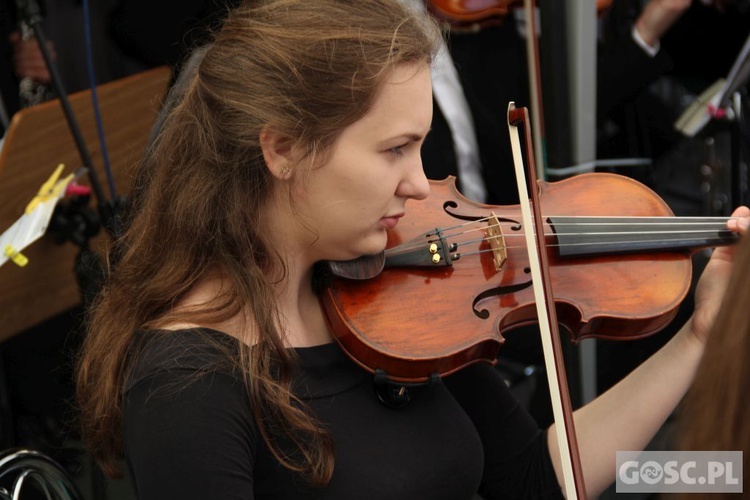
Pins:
x: 309, y: 69
x: 715, y: 415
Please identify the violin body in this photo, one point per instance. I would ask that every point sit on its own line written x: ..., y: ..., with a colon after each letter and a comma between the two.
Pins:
x: 473, y: 15
x: 415, y: 322
x: 468, y: 14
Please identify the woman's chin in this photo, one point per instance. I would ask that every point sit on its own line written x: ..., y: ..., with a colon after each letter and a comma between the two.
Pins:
x: 373, y: 244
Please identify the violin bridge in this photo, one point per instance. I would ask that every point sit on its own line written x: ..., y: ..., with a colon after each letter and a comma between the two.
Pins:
x: 494, y: 235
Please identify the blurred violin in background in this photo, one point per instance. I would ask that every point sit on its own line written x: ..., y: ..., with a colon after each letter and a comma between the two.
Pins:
x: 473, y: 15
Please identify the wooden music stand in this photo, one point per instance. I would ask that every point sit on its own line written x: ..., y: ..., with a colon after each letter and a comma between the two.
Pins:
x: 37, y: 140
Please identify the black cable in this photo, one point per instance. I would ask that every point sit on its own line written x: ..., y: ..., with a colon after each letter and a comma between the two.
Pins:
x: 30, y: 13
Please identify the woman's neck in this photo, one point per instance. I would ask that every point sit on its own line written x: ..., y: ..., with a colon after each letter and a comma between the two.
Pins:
x: 302, y: 318
x: 301, y: 313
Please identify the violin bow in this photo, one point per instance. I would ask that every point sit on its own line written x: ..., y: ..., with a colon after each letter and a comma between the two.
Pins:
x: 545, y: 304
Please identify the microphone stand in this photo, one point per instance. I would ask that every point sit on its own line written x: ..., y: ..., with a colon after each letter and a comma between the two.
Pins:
x: 4, y: 118
x: 734, y: 97
x: 740, y: 134
x: 89, y: 269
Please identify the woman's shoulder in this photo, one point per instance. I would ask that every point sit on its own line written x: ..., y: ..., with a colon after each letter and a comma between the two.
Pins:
x: 186, y: 352
x: 184, y: 407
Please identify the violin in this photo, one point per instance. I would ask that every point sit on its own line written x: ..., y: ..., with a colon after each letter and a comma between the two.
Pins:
x: 455, y: 274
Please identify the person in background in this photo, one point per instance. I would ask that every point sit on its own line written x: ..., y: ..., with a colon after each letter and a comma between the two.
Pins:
x: 696, y: 43
x: 25, y: 79
x: 688, y: 45
x: 484, y: 68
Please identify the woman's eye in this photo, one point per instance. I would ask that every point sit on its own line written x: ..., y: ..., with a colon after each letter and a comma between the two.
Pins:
x: 397, y: 150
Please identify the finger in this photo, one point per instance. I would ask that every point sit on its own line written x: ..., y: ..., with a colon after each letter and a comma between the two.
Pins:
x: 740, y: 220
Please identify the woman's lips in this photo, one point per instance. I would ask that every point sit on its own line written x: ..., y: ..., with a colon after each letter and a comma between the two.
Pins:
x: 390, y: 221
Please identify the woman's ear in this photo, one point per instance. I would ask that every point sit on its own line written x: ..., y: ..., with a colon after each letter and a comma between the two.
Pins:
x: 278, y: 152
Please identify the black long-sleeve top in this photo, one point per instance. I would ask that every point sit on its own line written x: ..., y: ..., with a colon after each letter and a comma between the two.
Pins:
x: 189, y: 431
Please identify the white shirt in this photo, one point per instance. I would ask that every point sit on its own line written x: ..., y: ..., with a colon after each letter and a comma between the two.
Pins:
x: 449, y: 95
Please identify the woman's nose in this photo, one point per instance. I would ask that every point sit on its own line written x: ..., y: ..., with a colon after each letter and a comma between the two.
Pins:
x: 415, y: 184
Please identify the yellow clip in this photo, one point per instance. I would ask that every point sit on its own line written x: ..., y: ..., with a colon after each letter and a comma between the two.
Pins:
x: 16, y: 256
x: 50, y: 189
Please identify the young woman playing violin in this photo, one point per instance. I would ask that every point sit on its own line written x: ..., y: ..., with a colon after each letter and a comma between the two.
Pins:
x: 209, y: 366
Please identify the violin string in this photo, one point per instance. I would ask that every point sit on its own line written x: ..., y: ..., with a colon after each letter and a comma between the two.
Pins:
x: 705, y: 230
x: 660, y: 222
x: 458, y: 226
x: 666, y: 221
x: 609, y: 220
x: 637, y: 233
x: 657, y: 219
x: 718, y: 222
x: 579, y: 244
x: 694, y: 233
x: 721, y: 223
x: 459, y: 244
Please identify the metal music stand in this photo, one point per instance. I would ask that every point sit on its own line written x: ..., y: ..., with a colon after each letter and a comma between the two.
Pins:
x: 727, y: 101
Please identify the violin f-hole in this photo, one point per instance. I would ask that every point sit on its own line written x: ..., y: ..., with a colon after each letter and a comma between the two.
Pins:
x: 495, y: 292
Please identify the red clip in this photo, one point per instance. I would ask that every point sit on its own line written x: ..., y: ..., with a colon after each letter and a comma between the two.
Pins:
x: 717, y: 112
x: 74, y: 189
